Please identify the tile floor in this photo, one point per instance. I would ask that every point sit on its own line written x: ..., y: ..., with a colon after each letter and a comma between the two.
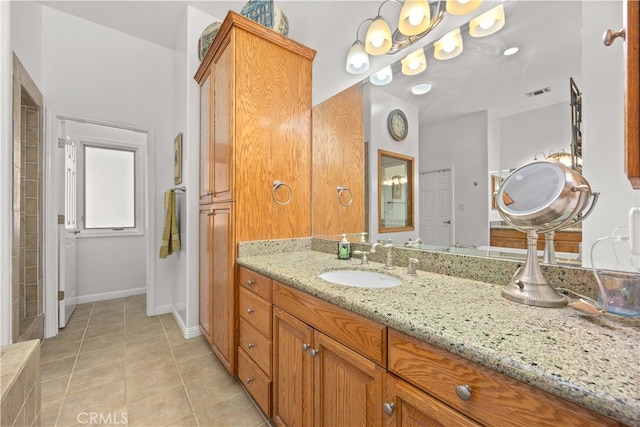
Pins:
x: 113, y: 365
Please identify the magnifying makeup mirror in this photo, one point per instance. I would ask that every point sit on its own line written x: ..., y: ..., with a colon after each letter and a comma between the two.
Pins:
x: 540, y: 197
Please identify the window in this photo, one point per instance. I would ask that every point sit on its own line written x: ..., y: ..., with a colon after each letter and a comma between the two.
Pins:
x: 109, y: 188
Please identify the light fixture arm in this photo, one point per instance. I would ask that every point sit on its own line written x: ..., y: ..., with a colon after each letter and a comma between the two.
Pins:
x: 387, y: 1
x: 360, y: 26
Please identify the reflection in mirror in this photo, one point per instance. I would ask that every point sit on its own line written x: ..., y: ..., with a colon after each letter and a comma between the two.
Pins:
x: 395, y: 192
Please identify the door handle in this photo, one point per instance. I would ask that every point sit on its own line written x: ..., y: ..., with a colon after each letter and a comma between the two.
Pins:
x: 76, y: 231
x: 448, y: 221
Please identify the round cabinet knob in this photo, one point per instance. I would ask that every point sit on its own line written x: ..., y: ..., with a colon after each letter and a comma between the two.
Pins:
x: 250, y: 310
x: 315, y: 352
x: 388, y: 408
x: 250, y: 346
x: 249, y: 380
x: 306, y: 347
x: 610, y: 36
x: 463, y: 391
x: 250, y: 283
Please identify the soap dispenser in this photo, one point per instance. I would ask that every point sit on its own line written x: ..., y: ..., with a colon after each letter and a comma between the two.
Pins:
x: 344, y: 248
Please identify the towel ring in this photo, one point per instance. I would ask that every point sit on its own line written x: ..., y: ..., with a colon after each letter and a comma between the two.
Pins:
x: 342, y: 190
x: 277, y: 184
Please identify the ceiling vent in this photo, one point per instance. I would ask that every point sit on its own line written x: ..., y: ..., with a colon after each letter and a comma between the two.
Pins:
x: 539, y: 92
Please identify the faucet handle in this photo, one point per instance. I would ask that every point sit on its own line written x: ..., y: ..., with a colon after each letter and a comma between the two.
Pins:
x: 364, y: 256
x: 411, y: 267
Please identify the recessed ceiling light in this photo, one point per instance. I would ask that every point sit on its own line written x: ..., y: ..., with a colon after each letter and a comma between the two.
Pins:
x: 510, y: 51
x: 421, y: 88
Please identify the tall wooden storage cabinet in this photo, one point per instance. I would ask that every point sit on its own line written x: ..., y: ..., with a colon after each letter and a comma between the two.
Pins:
x: 255, y: 136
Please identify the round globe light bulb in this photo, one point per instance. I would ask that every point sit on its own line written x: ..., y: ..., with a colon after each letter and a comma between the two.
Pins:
x: 377, y: 41
x: 487, y: 23
x: 415, y: 18
x: 449, y: 45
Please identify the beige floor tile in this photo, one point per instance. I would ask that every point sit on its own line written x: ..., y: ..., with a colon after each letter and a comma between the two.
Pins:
x: 78, y: 320
x: 49, y: 413
x: 209, y: 391
x: 106, y: 318
x: 55, y: 350
x: 109, y: 398
x: 200, y: 367
x: 193, y: 347
x: 110, y: 304
x: 160, y: 409
x: 56, y: 369
x: 104, y: 329
x: 149, y: 362
x: 53, y: 390
x: 147, y: 345
x: 87, y: 306
x: 175, y: 337
x: 102, y: 342
x: 96, y: 377
x: 93, y: 359
x: 238, y: 411
x: 68, y: 335
x: 135, y: 302
x: 189, y: 421
x: 136, y: 334
x: 134, y: 323
x: 143, y: 386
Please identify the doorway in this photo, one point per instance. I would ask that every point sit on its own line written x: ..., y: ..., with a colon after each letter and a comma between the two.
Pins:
x: 27, y: 273
x: 436, y: 217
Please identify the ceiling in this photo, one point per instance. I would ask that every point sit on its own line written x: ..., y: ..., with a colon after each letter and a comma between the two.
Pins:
x: 329, y: 27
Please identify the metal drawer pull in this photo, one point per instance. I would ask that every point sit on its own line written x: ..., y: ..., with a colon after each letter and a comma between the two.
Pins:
x: 277, y: 184
x: 463, y: 391
x: 388, y: 408
x: 305, y: 347
x: 315, y: 352
x: 250, y: 346
x: 249, y: 380
x: 250, y: 283
x: 342, y: 190
x: 250, y: 310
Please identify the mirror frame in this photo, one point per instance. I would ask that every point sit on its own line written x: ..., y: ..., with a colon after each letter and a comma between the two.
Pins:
x: 632, y: 103
x: 407, y: 194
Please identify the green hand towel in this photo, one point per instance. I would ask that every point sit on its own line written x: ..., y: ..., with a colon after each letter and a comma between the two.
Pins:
x: 170, y: 233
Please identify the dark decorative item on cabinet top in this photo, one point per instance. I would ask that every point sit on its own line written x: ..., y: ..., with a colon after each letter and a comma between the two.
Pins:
x: 267, y: 13
x: 177, y: 159
x: 206, y: 38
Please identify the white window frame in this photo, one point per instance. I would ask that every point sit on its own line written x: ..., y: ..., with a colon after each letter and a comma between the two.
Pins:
x: 139, y: 149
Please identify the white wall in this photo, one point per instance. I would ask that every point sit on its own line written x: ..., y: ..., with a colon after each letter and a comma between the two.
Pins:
x: 381, y: 104
x: 26, y: 36
x: 461, y: 145
x: 6, y: 173
x: 603, y: 123
x: 186, y: 119
x: 94, y: 72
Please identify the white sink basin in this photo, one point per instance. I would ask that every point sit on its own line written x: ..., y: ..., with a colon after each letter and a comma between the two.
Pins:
x: 360, y: 279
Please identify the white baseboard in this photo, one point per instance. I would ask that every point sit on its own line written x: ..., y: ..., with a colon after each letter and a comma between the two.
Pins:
x: 187, y: 333
x: 81, y: 299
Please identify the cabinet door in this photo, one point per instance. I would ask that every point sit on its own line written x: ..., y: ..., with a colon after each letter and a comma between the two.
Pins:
x: 205, y: 140
x: 347, y: 386
x: 223, y: 136
x: 223, y: 295
x: 205, y: 266
x: 292, y: 371
x: 406, y: 406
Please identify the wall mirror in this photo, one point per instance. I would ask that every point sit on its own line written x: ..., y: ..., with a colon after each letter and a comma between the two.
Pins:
x: 395, y: 192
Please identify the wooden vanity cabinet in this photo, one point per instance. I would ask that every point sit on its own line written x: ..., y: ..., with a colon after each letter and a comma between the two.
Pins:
x: 479, y: 393
x: 254, y: 336
x: 632, y: 95
x: 318, y: 380
x: 255, y: 129
x: 564, y: 241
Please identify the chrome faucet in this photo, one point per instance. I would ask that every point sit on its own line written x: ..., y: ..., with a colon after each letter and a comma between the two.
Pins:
x: 413, y: 243
x: 389, y: 247
x: 364, y: 254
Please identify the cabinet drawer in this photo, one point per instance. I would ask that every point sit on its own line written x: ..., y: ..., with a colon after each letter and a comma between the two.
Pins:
x: 256, y: 383
x: 255, y: 282
x: 503, y: 232
x: 359, y: 333
x: 256, y: 345
x: 495, y: 398
x: 256, y: 311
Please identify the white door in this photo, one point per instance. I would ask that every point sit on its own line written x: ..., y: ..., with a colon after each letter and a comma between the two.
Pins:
x: 68, y: 146
x: 435, y: 208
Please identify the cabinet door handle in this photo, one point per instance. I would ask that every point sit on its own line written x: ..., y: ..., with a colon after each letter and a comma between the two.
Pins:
x: 305, y: 346
x: 250, y: 283
x: 250, y: 310
x: 314, y: 352
x: 463, y: 391
x: 610, y: 36
x: 250, y: 346
x: 249, y: 380
x: 388, y: 408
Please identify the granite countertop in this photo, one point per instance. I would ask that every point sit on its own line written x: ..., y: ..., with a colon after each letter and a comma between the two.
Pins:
x: 593, y: 361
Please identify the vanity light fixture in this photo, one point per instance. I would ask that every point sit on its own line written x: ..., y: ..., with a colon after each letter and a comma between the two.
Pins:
x: 382, y: 77
x: 378, y: 39
x: 414, y: 63
x: 511, y: 51
x: 488, y: 23
x: 415, y: 17
x: 462, y: 7
x: 449, y: 46
x: 421, y: 88
x: 357, y: 58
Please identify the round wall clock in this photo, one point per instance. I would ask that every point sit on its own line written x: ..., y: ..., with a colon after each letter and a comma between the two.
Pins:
x: 397, y: 125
